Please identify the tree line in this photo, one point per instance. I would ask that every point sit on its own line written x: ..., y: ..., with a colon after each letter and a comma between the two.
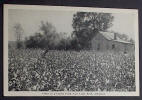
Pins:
x: 85, y: 26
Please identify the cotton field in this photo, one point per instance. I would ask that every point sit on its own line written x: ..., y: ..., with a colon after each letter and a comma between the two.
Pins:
x: 70, y: 71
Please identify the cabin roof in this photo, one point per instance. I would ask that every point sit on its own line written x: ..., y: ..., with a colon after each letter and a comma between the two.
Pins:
x: 111, y: 35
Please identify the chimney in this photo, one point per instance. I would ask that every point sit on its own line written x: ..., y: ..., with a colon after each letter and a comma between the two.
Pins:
x: 115, y: 34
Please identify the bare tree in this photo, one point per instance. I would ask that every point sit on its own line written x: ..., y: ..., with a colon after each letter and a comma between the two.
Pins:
x: 18, y: 34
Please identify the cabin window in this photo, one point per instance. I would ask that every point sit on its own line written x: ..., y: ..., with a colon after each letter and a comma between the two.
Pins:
x: 113, y: 46
x: 98, y: 46
x: 125, y: 50
x: 107, y: 46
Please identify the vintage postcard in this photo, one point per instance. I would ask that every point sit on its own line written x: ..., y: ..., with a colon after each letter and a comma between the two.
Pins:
x: 70, y: 51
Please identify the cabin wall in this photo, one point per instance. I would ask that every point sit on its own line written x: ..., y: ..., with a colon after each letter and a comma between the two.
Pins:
x: 99, y: 43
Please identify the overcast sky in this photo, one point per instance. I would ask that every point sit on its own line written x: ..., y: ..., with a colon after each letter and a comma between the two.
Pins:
x: 30, y: 20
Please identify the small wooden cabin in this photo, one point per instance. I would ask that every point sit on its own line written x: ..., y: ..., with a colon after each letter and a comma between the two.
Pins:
x: 104, y: 41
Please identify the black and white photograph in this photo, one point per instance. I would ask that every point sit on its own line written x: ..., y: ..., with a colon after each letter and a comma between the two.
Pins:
x: 70, y: 51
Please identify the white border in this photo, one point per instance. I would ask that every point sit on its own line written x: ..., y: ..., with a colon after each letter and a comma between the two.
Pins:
x: 66, y: 93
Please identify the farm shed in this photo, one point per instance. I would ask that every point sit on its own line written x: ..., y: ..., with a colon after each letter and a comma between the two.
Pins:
x: 104, y: 41
x: 13, y: 44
